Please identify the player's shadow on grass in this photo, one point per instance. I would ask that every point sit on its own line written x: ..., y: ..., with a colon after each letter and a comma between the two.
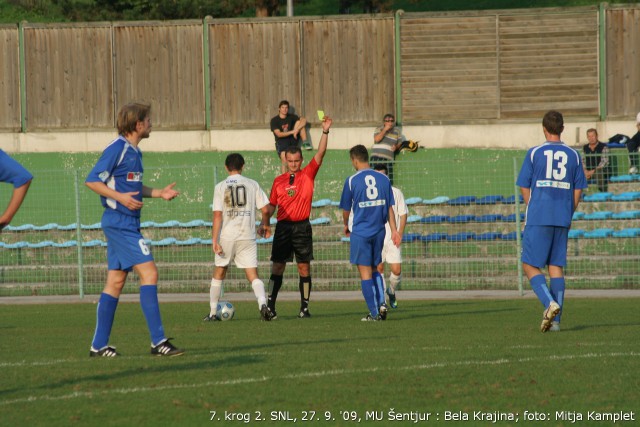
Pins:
x: 598, y: 325
x: 111, y: 374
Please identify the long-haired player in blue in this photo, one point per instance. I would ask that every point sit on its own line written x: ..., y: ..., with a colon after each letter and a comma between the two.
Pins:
x: 368, y: 194
x: 117, y: 178
x: 551, y: 181
x: 15, y: 174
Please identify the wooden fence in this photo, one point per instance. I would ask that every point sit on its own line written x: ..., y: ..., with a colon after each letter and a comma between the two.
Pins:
x: 453, y: 67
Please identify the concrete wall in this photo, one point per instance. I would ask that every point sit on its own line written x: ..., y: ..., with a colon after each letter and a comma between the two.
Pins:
x: 510, y: 136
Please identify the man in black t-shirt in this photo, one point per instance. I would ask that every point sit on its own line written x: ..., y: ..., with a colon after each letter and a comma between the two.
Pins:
x: 596, y: 160
x: 288, y: 129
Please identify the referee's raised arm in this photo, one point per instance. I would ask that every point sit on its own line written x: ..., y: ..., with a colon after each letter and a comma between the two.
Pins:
x: 322, y: 147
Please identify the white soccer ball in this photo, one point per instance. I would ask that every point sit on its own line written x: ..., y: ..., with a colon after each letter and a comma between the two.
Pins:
x: 225, y: 310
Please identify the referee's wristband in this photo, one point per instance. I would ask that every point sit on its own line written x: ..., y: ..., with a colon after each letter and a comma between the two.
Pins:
x: 326, y: 132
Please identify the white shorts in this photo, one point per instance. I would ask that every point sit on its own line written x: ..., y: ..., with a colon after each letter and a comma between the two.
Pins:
x: 243, y: 253
x: 391, y: 254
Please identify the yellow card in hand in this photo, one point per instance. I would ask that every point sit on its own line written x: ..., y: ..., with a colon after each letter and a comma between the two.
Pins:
x: 320, y: 115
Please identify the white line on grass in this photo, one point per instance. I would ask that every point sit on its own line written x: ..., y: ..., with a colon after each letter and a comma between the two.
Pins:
x: 333, y: 372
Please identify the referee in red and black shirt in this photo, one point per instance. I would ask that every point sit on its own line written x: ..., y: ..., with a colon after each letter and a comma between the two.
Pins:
x: 292, y: 193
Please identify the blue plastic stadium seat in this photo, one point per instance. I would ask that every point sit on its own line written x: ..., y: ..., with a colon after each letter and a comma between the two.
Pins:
x: 16, y: 245
x: 188, y: 242
x: 46, y: 227
x: 334, y: 203
x: 490, y: 200
x: 321, y: 203
x: 577, y: 216
x: 462, y: 200
x: 67, y: 227
x: 413, y: 201
x: 93, y: 243
x: 320, y: 221
x: 168, y: 224
x: 626, y: 215
x: 460, y: 219
x: 489, y: 218
x: 23, y: 227
x: 512, y: 200
x: 413, y: 218
x: 510, y: 236
x: 627, y: 232
x: 147, y: 224
x: 576, y: 234
x: 598, y: 215
x: 434, y: 237
x: 598, y: 233
x: 488, y: 236
x: 95, y: 226
x: 626, y: 196
x: 461, y: 237
x: 163, y: 242
x: 66, y: 244
x: 621, y: 178
x: 598, y: 197
x: 209, y: 242
x: 512, y: 218
x: 43, y: 244
x: 345, y: 239
x: 194, y: 223
x: 436, y: 201
x: 436, y: 219
x: 410, y: 237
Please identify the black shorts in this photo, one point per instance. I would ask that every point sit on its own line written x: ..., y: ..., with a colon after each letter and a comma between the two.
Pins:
x: 283, y: 145
x: 292, y: 238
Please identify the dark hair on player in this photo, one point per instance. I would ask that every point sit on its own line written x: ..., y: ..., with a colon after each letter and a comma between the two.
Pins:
x: 360, y: 153
x: 234, y: 162
x: 129, y: 116
x: 553, y: 122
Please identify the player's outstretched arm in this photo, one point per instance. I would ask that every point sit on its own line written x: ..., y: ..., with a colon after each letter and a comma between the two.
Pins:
x: 322, y: 147
x: 166, y: 193
x: 17, y: 197
x: 215, y: 232
x: 345, y: 220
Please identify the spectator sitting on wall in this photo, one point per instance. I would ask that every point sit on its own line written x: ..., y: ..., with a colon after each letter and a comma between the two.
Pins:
x: 596, y: 160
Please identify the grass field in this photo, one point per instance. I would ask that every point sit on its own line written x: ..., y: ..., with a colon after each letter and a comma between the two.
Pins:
x: 446, y: 358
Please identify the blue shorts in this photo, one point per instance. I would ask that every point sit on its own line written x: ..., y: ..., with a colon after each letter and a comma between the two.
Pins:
x: 125, y: 245
x: 367, y: 251
x: 545, y: 245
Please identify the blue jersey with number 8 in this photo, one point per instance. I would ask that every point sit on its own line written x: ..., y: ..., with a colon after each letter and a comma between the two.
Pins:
x: 368, y: 193
x: 552, y: 171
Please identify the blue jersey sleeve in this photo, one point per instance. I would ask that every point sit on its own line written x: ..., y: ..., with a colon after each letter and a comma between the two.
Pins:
x: 13, y: 172
x: 526, y: 172
x: 106, y: 164
x: 346, y: 199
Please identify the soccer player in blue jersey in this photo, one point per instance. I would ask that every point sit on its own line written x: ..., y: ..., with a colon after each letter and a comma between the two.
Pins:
x: 368, y: 194
x: 15, y: 174
x: 551, y: 181
x: 117, y: 178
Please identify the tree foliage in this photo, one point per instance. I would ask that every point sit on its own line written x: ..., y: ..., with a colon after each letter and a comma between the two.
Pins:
x: 116, y: 10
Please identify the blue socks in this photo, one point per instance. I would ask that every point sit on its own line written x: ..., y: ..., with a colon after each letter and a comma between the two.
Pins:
x: 539, y: 286
x: 368, y: 291
x: 557, y: 292
x: 379, y: 287
x: 104, y: 320
x: 151, y: 310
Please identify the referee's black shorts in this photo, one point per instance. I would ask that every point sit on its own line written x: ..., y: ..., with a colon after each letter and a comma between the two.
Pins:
x: 292, y: 237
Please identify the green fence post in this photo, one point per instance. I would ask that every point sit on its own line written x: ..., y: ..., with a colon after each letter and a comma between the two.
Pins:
x: 23, y: 78
x: 79, y: 234
x: 516, y: 193
x: 602, y: 59
x: 397, y: 70
x: 206, y: 70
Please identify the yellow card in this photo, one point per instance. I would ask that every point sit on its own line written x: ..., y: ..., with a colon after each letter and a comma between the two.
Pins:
x: 320, y: 115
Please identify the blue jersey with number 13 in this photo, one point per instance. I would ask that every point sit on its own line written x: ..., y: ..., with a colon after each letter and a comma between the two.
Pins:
x: 552, y: 171
x: 368, y: 193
